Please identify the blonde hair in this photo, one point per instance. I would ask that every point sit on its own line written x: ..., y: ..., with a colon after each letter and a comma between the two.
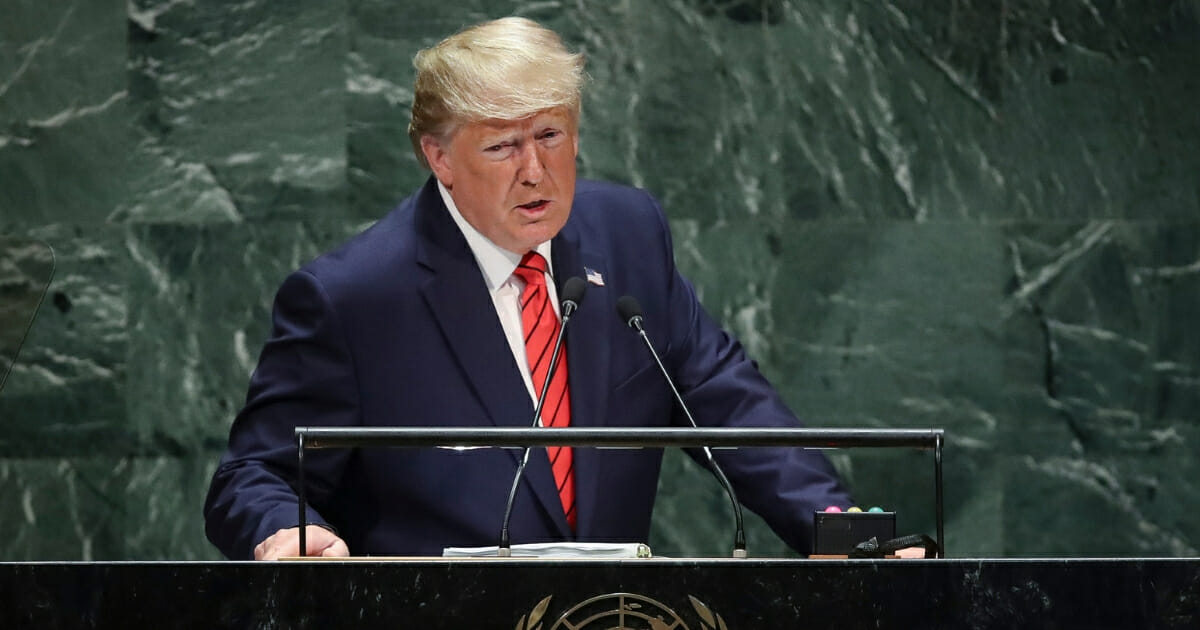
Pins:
x: 506, y: 69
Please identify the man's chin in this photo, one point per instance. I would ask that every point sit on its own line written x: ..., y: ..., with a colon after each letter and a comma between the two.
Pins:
x: 537, y: 233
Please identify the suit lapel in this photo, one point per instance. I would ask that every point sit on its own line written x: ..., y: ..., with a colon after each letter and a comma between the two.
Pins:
x: 457, y: 295
x: 587, y: 359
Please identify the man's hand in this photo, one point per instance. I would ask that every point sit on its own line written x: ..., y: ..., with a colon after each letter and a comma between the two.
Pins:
x: 910, y: 552
x: 285, y: 543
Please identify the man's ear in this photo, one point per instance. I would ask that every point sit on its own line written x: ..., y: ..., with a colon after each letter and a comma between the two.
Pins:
x: 438, y: 158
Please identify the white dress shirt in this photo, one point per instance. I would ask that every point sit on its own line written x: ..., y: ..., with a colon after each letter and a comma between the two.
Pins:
x: 498, y: 265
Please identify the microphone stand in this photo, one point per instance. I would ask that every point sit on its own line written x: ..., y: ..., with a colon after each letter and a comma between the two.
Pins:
x: 573, y: 288
x: 631, y: 312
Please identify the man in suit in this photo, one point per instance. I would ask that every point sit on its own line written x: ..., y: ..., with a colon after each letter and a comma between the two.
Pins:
x: 443, y: 313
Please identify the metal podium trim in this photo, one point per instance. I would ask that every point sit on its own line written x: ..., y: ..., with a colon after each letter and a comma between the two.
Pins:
x: 616, y: 437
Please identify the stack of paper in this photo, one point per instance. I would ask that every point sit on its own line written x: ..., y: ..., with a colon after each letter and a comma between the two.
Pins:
x: 556, y: 550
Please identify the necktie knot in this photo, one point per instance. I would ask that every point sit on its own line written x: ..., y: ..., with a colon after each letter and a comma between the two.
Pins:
x: 532, y: 269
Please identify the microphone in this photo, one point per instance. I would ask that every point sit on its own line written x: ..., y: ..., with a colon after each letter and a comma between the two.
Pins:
x: 631, y: 313
x: 572, y: 296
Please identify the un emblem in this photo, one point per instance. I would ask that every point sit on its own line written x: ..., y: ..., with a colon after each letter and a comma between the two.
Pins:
x: 620, y: 611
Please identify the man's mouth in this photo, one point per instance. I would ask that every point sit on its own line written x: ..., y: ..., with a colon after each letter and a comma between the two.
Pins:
x: 535, y: 205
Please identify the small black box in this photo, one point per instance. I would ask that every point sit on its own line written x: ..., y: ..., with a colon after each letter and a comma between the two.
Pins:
x: 837, y: 533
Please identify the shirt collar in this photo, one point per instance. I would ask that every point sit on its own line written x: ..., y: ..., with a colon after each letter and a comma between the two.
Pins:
x: 496, y: 263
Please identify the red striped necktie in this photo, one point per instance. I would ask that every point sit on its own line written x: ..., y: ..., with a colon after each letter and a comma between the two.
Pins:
x: 540, y: 324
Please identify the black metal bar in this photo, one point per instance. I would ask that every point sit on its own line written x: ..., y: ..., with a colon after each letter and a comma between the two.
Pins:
x: 300, y: 479
x: 937, y: 493
x: 614, y: 437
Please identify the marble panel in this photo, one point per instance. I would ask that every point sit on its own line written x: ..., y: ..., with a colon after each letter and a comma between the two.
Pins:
x: 1071, y: 118
x: 63, y: 111
x: 1120, y: 378
x: 240, y: 104
x: 66, y: 395
x: 161, y: 501
x: 105, y: 508
x: 879, y: 325
x: 26, y: 267
x: 1030, y: 344
x: 835, y: 110
x: 62, y: 508
x: 200, y: 311
x: 383, y: 36
x: 1111, y: 301
x: 1102, y: 505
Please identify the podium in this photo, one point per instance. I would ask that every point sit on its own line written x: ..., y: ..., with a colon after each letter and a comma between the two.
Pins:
x: 681, y: 594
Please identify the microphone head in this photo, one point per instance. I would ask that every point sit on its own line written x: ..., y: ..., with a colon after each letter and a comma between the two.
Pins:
x: 572, y: 293
x: 629, y: 310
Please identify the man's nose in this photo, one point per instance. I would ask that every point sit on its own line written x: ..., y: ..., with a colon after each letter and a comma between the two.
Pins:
x: 532, y: 169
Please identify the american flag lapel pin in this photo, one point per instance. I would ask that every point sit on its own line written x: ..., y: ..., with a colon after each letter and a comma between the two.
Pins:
x: 593, y: 276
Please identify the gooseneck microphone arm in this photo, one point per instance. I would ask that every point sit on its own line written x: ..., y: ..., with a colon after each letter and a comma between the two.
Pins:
x: 631, y: 313
x: 572, y: 295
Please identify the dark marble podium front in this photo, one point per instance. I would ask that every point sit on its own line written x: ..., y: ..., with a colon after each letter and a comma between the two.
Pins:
x: 591, y: 594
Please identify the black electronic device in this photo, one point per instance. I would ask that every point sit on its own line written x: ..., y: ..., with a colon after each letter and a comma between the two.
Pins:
x: 837, y: 533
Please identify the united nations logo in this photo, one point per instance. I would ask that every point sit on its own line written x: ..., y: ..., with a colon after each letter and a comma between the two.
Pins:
x: 620, y: 611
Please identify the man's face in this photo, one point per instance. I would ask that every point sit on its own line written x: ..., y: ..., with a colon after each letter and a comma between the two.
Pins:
x: 513, y: 180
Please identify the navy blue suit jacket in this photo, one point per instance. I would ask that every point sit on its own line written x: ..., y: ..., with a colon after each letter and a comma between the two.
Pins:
x: 396, y: 327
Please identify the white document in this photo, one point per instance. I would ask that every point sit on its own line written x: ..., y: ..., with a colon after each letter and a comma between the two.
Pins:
x: 556, y: 550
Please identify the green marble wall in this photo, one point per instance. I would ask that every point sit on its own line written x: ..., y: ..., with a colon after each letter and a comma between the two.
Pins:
x: 982, y: 215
